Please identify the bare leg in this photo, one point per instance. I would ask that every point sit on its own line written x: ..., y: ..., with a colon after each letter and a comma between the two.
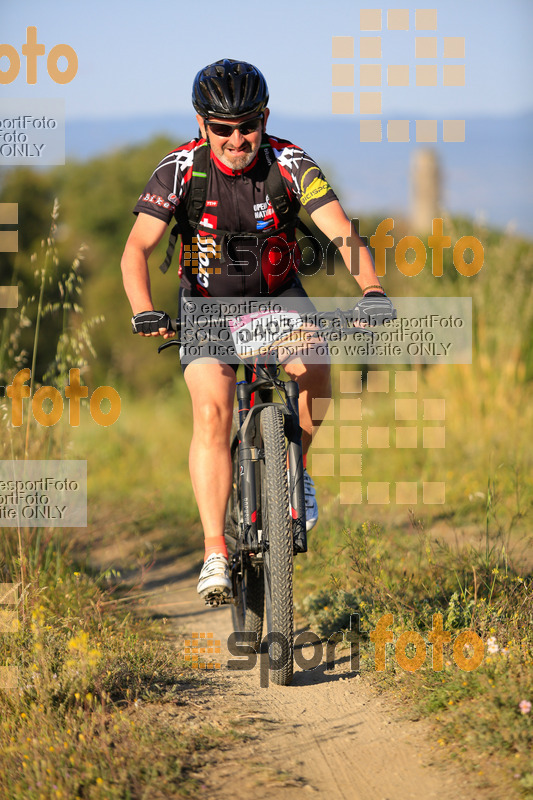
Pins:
x: 314, y: 380
x: 212, y: 389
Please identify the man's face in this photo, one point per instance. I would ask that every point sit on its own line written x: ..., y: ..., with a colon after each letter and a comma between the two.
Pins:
x: 236, y: 151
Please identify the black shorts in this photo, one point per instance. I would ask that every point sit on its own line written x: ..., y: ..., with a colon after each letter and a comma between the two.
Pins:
x: 220, y: 347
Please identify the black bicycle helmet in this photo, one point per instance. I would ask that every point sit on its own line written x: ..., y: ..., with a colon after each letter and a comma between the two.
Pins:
x: 229, y: 89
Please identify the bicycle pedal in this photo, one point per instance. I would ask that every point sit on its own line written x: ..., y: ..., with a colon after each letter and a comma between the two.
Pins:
x: 215, y: 599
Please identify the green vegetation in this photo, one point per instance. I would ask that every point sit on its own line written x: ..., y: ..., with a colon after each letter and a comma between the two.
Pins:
x: 80, y: 726
x: 412, y: 574
x: 101, y: 703
x: 101, y: 708
x: 96, y: 199
x: 469, y: 559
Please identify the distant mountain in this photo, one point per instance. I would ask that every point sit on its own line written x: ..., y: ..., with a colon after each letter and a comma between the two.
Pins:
x: 490, y: 175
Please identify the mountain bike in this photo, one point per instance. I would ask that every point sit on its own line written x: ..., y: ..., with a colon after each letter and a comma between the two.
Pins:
x: 265, y: 523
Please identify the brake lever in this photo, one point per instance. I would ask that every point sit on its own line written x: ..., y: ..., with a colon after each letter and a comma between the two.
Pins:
x: 167, y: 344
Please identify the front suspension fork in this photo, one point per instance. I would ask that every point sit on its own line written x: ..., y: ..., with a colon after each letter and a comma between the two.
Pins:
x: 293, y: 432
x: 248, y: 454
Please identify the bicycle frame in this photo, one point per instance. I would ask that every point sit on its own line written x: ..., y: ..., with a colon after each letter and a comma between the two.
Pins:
x: 266, y: 524
x: 249, y: 453
x: 262, y: 379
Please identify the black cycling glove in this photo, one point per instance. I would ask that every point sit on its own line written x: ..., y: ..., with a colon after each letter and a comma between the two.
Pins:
x: 150, y: 322
x: 374, y: 308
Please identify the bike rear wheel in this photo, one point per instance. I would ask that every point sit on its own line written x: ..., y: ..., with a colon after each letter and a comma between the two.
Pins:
x: 278, y: 555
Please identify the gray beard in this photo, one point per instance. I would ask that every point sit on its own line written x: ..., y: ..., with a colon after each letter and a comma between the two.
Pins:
x: 238, y: 163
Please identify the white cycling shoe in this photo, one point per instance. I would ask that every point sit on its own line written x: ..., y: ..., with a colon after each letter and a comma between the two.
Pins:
x: 214, y: 577
x: 311, y: 507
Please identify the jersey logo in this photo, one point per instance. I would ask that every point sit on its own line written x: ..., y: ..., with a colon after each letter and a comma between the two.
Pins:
x: 265, y: 223
x: 208, y: 221
x: 157, y: 200
x: 318, y: 187
x: 264, y: 214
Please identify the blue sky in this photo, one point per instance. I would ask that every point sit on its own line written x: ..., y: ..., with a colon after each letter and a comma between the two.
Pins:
x: 137, y: 57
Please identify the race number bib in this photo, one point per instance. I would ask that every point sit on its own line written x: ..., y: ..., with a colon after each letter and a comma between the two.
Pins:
x: 257, y: 333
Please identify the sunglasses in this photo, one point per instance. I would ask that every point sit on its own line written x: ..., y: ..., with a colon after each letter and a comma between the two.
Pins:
x: 244, y: 128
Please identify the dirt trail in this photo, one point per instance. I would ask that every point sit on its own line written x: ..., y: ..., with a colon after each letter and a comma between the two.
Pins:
x: 326, y: 735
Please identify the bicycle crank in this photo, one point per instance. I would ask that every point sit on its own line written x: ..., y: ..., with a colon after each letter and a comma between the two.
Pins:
x: 217, y: 599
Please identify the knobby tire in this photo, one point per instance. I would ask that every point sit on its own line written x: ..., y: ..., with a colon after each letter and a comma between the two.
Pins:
x: 278, y: 557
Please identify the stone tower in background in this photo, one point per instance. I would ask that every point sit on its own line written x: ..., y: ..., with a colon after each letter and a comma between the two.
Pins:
x: 425, y: 190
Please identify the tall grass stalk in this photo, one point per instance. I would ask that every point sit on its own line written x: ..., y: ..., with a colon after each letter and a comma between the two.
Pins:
x: 50, y: 257
x: 36, y: 441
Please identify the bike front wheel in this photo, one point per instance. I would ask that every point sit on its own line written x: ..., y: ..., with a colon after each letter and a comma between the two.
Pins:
x: 278, y: 554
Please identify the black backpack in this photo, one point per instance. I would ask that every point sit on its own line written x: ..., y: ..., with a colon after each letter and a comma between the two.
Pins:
x: 190, y: 213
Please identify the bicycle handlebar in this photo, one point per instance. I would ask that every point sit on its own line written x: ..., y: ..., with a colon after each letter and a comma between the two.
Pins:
x: 152, y: 321
x: 318, y: 318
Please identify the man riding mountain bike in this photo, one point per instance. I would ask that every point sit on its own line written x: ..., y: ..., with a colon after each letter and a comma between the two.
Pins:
x: 235, y: 190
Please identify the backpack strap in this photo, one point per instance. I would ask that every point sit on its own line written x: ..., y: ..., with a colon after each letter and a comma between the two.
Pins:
x: 172, y: 239
x: 190, y: 212
x: 285, y: 207
x: 197, y: 194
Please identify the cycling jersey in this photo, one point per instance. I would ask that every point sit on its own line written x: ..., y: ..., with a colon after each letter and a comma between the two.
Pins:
x: 214, y: 264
